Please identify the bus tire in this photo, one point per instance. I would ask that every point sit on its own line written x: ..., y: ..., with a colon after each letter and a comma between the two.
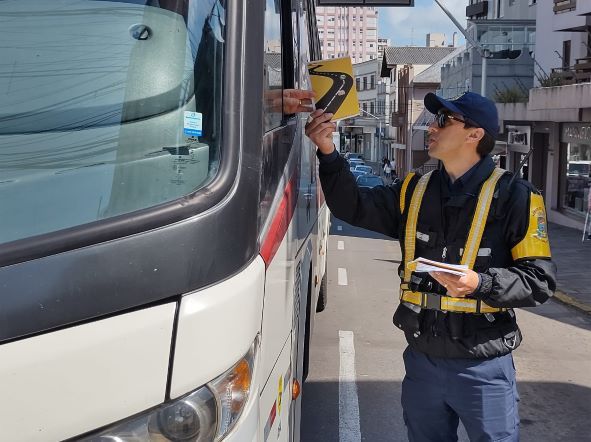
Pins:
x: 322, y: 294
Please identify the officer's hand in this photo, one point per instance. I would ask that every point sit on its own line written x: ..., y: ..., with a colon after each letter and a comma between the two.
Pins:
x: 319, y: 129
x: 458, y: 286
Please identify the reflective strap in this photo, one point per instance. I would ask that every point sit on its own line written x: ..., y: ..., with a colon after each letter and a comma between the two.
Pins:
x: 480, y: 216
x: 411, y: 224
x: 447, y: 303
x: 415, y: 298
x: 403, y: 191
x: 464, y: 305
x: 485, y: 308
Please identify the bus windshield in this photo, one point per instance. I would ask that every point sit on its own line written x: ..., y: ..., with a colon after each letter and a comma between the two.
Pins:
x: 107, y: 107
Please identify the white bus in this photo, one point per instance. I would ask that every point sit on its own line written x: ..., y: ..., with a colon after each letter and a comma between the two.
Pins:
x: 162, y: 231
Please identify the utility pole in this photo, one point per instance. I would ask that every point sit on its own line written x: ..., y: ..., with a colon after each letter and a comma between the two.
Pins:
x: 484, y: 53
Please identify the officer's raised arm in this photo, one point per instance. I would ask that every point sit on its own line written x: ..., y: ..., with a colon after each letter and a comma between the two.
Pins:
x: 373, y: 209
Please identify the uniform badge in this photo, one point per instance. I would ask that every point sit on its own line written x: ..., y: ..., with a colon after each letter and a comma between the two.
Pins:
x: 539, y: 216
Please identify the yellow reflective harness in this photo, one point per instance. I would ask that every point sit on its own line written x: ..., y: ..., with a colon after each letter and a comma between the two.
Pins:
x: 432, y: 300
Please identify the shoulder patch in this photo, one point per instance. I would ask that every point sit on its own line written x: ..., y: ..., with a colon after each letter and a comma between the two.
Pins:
x: 535, y: 244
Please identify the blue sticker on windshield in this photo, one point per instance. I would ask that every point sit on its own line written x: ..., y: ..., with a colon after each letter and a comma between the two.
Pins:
x: 193, y: 124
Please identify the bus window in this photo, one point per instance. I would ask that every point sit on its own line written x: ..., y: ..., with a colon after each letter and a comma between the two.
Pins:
x: 108, y: 107
x: 273, y: 79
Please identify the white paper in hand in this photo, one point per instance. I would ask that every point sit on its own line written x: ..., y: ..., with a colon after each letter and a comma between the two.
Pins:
x: 427, y: 265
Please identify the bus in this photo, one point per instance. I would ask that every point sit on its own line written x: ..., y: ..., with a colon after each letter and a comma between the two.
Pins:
x: 163, y: 234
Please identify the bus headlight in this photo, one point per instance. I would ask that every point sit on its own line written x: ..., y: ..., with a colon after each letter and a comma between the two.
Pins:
x: 206, y: 414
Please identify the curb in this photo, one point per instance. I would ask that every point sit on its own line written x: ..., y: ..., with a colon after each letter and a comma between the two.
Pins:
x: 569, y: 300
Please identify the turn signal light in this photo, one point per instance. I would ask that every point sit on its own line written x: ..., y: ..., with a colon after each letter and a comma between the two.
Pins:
x: 295, y: 389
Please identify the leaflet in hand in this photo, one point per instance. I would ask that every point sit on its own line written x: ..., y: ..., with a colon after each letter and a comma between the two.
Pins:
x: 427, y: 265
x: 334, y: 84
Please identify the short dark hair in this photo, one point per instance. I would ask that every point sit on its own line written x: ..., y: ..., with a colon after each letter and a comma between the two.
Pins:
x: 486, y: 143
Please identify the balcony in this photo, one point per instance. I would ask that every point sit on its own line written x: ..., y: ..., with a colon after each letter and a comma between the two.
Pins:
x: 574, y: 96
x: 477, y: 10
x: 571, y: 16
x: 580, y: 72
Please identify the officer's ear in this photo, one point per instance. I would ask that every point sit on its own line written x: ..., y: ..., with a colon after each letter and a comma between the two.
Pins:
x: 475, y: 134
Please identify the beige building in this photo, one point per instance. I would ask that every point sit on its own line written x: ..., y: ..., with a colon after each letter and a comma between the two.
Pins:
x: 400, y: 65
x: 348, y: 31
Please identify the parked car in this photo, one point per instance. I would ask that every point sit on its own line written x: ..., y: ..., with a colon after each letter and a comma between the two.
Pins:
x: 365, y: 169
x: 369, y: 181
x: 355, y: 162
x: 353, y: 155
x: 356, y: 173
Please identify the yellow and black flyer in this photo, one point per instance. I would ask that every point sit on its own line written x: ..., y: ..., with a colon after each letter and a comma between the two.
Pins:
x: 333, y: 82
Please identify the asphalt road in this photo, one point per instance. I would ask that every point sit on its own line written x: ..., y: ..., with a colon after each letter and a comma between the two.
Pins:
x: 553, y: 363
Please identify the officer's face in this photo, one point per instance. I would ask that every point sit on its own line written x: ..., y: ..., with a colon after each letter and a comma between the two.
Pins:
x: 447, y: 136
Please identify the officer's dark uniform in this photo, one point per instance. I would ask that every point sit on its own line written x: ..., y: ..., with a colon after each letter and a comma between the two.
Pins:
x: 446, y: 350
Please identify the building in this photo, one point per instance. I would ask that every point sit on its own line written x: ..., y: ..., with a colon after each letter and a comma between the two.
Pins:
x: 383, y: 43
x: 413, y: 118
x: 364, y: 134
x: 348, y: 31
x: 404, y: 63
x: 506, y: 31
x: 555, y: 120
x: 434, y: 40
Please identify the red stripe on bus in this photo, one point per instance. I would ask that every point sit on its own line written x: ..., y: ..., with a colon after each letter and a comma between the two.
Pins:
x: 281, y: 221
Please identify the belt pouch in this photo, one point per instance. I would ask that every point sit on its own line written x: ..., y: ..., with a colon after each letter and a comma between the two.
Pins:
x: 407, y: 319
x: 455, y: 324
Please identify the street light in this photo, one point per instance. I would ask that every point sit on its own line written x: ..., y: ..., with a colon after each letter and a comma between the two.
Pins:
x: 379, y: 133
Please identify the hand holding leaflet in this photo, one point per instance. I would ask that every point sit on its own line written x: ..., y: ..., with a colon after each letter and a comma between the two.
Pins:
x: 428, y: 265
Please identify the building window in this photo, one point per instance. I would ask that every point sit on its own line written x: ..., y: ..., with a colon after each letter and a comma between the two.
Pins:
x: 566, y: 54
x: 372, y: 109
x: 272, y: 67
x: 578, y: 175
x: 358, y: 83
x: 372, y: 82
x: 365, y: 107
x: 364, y: 83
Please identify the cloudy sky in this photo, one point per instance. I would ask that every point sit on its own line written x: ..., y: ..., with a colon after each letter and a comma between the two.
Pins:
x: 409, y: 26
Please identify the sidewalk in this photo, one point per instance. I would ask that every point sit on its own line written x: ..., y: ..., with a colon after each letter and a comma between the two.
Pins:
x: 573, y: 259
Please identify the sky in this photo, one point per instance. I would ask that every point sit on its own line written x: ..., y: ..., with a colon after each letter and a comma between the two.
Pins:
x: 409, y: 26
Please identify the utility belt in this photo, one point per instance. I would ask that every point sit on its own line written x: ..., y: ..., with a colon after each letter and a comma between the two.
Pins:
x: 433, y: 301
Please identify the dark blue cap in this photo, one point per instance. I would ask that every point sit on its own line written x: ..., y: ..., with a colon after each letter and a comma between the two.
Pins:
x: 474, y: 107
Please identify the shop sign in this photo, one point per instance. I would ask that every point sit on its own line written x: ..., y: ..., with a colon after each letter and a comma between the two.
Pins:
x: 579, y: 133
x: 518, y: 135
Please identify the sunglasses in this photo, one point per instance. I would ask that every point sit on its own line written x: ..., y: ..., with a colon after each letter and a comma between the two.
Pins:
x: 443, y: 118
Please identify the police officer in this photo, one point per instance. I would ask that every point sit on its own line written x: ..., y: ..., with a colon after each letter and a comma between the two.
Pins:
x: 460, y: 328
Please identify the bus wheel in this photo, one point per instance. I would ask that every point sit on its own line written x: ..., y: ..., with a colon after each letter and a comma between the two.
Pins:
x: 322, y: 294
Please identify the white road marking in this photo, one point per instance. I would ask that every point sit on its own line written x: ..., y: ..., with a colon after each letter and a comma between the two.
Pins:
x: 349, y: 428
x: 342, y: 276
x: 341, y: 245
x: 339, y: 227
